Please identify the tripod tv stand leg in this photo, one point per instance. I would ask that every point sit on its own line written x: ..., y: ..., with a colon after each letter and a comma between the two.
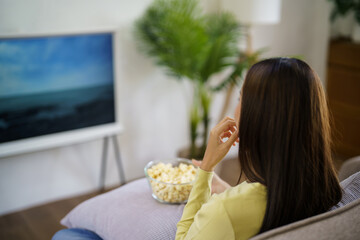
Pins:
x: 104, y: 160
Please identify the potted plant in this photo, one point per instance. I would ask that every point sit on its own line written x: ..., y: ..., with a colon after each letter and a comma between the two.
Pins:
x: 191, y: 45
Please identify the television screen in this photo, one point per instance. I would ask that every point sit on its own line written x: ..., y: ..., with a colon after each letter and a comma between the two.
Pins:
x: 52, y: 84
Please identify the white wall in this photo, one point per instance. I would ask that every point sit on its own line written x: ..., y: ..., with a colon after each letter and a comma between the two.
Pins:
x: 153, y: 107
x: 303, y: 30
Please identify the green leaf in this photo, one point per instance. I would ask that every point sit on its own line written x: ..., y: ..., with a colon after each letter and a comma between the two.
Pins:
x: 173, y: 33
x: 184, y: 41
x: 224, y: 33
x: 343, y: 7
x: 243, y: 63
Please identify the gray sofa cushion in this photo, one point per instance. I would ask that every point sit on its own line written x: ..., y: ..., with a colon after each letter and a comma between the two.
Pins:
x: 349, y: 167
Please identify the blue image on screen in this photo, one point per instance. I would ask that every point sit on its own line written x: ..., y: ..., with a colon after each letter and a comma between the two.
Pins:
x: 55, y: 84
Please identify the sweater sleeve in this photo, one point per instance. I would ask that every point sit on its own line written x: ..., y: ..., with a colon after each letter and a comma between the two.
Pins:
x: 199, y: 195
x: 237, y: 213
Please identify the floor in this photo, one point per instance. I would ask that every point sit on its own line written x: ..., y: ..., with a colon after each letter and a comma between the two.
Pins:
x: 41, y: 222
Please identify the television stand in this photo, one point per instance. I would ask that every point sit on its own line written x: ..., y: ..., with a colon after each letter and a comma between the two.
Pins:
x: 104, y: 160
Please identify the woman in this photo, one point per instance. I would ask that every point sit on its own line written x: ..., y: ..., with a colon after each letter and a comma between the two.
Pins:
x: 282, y: 125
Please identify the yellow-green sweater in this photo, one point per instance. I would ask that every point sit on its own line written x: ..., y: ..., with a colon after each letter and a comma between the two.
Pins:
x: 237, y: 213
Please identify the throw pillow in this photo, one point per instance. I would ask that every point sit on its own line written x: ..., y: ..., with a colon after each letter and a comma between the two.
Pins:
x: 128, y: 212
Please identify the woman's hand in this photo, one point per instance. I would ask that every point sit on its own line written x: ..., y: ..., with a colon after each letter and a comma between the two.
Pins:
x: 217, y: 185
x: 216, y: 148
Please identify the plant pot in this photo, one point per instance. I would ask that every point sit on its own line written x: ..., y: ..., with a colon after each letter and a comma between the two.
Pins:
x: 343, y: 26
x: 356, y: 33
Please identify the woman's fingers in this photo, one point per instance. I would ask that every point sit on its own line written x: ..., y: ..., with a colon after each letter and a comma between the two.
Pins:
x: 228, y: 124
x: 224, y: 119
x: 217, y: 149
x: 226, y: 128
x: 232, y: 138
x: 225, y: 134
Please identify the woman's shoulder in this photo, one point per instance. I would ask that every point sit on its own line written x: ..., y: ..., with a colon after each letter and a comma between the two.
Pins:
x: 244, y: 203
x: 246, y: 195
x: 245, y: 190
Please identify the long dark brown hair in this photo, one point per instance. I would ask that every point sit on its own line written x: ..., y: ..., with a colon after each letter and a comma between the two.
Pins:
x: 284, y: 135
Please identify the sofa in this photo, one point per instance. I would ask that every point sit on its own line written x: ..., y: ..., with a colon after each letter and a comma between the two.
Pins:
x: 129, y: 212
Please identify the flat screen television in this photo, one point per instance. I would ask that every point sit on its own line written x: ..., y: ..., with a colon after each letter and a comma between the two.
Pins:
x: 56, y: 89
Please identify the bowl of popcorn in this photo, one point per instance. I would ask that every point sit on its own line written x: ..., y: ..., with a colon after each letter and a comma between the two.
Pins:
x: 171, y: 180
